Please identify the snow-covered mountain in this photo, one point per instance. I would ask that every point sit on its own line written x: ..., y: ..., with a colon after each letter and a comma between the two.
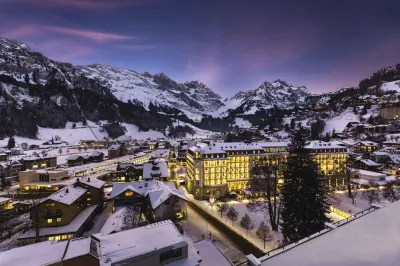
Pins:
x: 37, y: 92
x: 268, y: 95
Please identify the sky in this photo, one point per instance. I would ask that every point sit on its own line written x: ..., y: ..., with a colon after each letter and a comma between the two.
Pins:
x: 228, y: 45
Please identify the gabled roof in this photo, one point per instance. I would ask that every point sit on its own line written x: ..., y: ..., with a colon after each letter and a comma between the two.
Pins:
x: 67, y: 195
x: 74, y: 157
x: 114, y: 147
x: 369, y: 162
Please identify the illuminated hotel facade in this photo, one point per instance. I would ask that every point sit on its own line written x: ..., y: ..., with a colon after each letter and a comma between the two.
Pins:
x: 218, y: 168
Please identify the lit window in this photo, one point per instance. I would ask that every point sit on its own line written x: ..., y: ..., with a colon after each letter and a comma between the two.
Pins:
x: 89, y: 199
x: 128, y: 193
x: 58, y: 220
x: 57, y: 237
x: 69, y: 236
x: 49, y: 221
x: 52, y: 204
x: 63, y: 237
x: 88, y: 193
x: 51, y: 238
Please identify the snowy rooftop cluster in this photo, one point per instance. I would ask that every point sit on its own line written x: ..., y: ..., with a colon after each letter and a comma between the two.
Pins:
x: 114, y: 223
x: 91, y: 181
x: 372, y: 239
x: 46, y: 253
x: 157, y: 191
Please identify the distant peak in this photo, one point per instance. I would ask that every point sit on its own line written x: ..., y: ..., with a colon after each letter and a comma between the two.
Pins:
x: 282, y: 82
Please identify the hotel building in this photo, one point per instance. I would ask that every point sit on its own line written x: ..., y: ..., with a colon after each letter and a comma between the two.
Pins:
x: 218, y: 168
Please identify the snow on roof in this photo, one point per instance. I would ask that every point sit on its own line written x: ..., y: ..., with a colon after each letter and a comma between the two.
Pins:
x: 210, y: 254
x: 161, y: 153
x: 67, y: 195
x: 43, y: 253
x: 114, y: 223
x: 114, y: 147
x: 37, y: 157
x: 368, y: 173
x: 372, y: 239
x: 72, y: 227
x: 369, y: 162
x: 44, y: 171
x: 141, y: 240
x: 149, y: 173
x: 77, y: 247
x: 368, y: 143
x: 395, y: 158
x: 3, y: 199
x: 223, y: 147
x: 9, y: 163
x: 381, y: 153
x: 96, y: 153
x: 73, y: 157
x: 323, y: 145
x: 158, y: 191
x: 93, y: 182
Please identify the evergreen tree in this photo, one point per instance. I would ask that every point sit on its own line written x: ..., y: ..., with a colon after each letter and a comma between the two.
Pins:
x: 232, y: 214
x: 26, y: 79
x: 304, y: 201
x: 11, y: 142
x: 292, y: 123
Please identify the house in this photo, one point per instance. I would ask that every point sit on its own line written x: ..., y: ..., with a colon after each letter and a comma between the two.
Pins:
x: 365, y: 146
x: 97, y: 156
x: 62, y: 215
x: 95, y: 189
x: 155, y: 171
x: 115, y: 223
x: 157, y: 200
x: 74, y: 160
x: 116, y: 150
x: 5, y: 204
x: 127, y: 172
x: 10, y: 170
x: 392, y: 163
x: 53, y: 253
x: 367, y: 164
x: 38, y: 162
x: 350, y: 242
x: 390, y: 113
x: 156, y: 244
x: 3, y: 157
x: 151, y: 145
x: 44, y: 180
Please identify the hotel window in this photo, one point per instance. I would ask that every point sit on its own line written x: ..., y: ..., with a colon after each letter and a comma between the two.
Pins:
x: 49, y: 221
x: 63, y: 237
x: 58, y: 220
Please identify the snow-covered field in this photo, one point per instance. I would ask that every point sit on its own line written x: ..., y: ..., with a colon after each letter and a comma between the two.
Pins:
x: 391, y: 86
x: 242, y: 123
x: 338, y: 123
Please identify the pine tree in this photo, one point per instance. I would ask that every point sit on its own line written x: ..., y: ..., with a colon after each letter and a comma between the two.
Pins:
x: 304, y: 201
x: 11, y: 143
x: 292, y: 124
x: 26, y: 78
x: 246, y: 223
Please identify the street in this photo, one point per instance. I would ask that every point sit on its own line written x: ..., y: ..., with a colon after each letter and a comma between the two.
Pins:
x: 196, y: 227
x: 99, y: 220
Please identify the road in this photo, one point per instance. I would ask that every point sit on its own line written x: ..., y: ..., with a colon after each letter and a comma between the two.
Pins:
x: 99, y: 220
x: 196, y: 226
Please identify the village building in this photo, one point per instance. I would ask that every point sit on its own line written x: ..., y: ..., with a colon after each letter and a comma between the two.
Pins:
x: 5, y: 204
x: 365, y: 146
x: 10, y: 170
x: 38, y: 162
x: 155, y: 170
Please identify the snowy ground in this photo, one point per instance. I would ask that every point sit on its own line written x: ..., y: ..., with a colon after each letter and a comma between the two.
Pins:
x: 338, y: 123
x: 242, y: 123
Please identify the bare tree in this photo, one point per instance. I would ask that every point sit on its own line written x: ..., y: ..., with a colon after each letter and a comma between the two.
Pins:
x: 232, y: 214
x: 246, y: 223
x: 130, y: 217
x: 265, y: 179
x: 372, y: 194
x: 391, y: 191
x: 221, y: 207
x: 263, y: 233
x: 36, y: 210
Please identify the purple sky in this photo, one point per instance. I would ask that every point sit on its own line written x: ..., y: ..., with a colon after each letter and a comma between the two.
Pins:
x: 230, y: 45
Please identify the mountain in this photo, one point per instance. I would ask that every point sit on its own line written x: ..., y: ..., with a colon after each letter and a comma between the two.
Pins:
x: 37, y: 92
x: 277, y: 94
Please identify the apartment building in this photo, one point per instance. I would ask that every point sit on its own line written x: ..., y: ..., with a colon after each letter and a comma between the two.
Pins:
x: 218, y: 168
x: 10, y: 169
x: 38, y: 162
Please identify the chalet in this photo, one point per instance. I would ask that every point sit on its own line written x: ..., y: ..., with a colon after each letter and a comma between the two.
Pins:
x: 155, y: 171
x: 75, y: 160
x: 127, y: 172
x: 365, y: 146
x: 97, y: 156
x: 392, y: 163
x: 95, y: 189
x: 151, y: 145
x: 61, y: 216
x: 3, y: 157
x: 157, y: 200
x: 38, y: 162
x: 116, y: 150
x: 367, y: 164
x: 10, y: 169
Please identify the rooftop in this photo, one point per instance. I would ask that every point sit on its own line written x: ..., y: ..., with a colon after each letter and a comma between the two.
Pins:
x: 67, y: 195
x: 372, y: 239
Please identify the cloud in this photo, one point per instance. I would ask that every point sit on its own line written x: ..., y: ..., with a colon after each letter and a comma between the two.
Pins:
x: 93, y: 35
x: 24, y: 31
x: 84, y: 4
